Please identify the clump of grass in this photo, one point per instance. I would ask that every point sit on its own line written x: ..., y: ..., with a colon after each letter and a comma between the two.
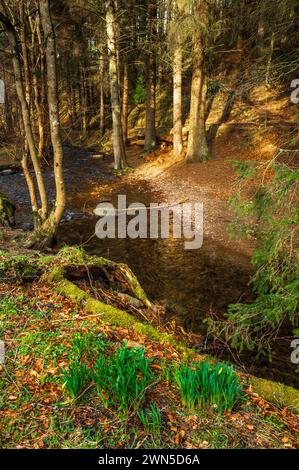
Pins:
x: 122, y: 378
x: 205, y: 384
x: 75, y: 378
x: 88, y: 344
x: 151, y: 420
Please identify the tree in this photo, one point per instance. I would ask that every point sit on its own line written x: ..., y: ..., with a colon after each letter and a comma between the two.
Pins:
x: 48, y: 230
x: 197, y: 149
x: 150, y: 113
x: 45, y: 222
x: 176, y: 37
x: 118, y: 141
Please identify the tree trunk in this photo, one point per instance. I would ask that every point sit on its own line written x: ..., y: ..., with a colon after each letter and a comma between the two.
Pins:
x: 37, y: 98
x: 197, y: 149
x: 125, y: 101
x: 150, y: 126
x: 49, y: 228
x: 118, y: 143
x: 177, y: 102
x: 40, y: 215
x: 102, y: 96
x: 42, y: 92
x: 150, y: 118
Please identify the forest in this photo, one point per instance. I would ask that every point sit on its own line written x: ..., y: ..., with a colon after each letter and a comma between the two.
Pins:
x: 149, y: 287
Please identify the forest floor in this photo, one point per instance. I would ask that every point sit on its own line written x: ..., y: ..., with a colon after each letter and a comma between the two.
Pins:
x: 40, y: 329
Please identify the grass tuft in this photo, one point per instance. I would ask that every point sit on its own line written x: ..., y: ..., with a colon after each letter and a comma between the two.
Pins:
x: 205, y: 384
x: 123, y: 377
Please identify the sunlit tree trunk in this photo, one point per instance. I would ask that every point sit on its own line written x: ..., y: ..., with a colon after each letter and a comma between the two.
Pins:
x: 125, y: 101
x: 150, y: 118
x: 197, y: 149
x: 49, y: 228
x: 102, y: 96
x: 39, y: 215
x: 37, y: 98
x: 118, y: 143
x: 177, y: 101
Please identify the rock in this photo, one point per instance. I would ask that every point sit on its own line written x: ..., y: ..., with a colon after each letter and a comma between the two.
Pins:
x: 7, y: 211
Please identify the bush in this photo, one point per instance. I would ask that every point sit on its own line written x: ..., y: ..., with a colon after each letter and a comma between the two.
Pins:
x: 122, y: 379
x: 270, y: 216
x: 206, y: 385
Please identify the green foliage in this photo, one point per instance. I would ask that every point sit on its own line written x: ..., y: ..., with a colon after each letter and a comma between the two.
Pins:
x: 123, y: 377
x: 151, y: 420
x: 139, y: 94
x: 71, y: 254
x: 88, y: 344
x: 76, y: 378
x: 270, y: 216
x: 205, y: 385
x: 17, y: 266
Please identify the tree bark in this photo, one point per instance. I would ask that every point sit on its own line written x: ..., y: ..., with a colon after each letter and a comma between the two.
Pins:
x: 37, y: 98
x: 39, y: 215
x: 125, y: 101
x: 197, y: 149
x: 102, y: 96
x: 150, y: 118
x: 118, y: 142
x: 177, y: 102
x: 49, y: 228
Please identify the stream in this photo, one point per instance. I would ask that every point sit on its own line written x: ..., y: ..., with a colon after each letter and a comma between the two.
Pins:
x: 192, y: 284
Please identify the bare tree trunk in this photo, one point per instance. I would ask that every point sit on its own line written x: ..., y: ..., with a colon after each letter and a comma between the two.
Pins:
x: 83, y: 101
x: 37, y: 98
x: 197, y: 149
x: 42, y: 92
x: 38, y: 214
x: 102, y: 96
x: 150, y: 126
x: 49, y: 228
x: 118, y: 143
x: 125, y: 101
x: 177, y: 102
x: 269, y: 61
x: 150, y: 118
x: 25, y: 54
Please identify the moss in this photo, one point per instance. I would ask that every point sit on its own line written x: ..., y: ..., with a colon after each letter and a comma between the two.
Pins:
x: 18, y: 266
x: 71, y: 291
x: 277, y: 393
x: 7, y: 211
x: 138, y: 292
x: 77, y: 256
x: 55, y: 274
x: 110, y: 314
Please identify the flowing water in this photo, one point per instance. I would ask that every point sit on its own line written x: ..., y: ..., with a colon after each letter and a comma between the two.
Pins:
x: 191, y: 284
